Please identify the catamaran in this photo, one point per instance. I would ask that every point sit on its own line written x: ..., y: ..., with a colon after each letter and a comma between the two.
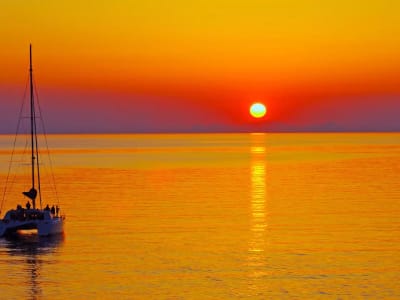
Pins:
x: 46, y: 221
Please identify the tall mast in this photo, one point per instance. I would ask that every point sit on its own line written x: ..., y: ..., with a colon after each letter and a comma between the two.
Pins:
x: 32, y: 122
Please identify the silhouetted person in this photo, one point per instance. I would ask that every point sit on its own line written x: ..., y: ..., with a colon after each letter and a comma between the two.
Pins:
x: 53, y: 210
x: 57, y: 210
x: 28, y: 205
x: 47, y: 207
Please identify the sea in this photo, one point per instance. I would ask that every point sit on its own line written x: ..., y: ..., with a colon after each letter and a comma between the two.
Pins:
x: 209, y: 216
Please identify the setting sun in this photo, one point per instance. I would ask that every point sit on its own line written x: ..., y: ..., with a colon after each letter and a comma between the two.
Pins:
x: 258, y: 110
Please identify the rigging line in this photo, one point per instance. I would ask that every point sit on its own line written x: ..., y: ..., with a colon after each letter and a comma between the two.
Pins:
x: 15, y: 141
x: 22, y: 162
x: 23, y: 130
x: 32, y: 121
x: 34, y: 134
x: 37, y: 158
x: 47, y: 145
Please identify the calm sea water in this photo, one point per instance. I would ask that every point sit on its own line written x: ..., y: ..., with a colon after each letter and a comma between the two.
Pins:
x: 212, y: 216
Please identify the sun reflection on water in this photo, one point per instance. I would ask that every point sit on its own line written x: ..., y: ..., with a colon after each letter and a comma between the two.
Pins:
x: 258, y: 222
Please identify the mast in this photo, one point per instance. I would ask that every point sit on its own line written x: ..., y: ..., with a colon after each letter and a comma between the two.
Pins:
x: 32, y: 123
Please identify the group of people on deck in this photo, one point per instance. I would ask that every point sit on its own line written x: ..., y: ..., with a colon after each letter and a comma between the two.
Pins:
x: 54, y: 209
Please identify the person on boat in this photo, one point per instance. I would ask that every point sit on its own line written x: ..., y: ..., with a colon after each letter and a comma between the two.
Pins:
x: 28, y: 205
x: 47, y: 207
x: 57, y: 210
x: 53, y: 210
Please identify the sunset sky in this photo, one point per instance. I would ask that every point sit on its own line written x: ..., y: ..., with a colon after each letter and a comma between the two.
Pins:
x: 183, y: 66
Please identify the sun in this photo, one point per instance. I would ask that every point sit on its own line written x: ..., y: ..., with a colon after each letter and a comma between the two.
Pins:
x: 257, y: 110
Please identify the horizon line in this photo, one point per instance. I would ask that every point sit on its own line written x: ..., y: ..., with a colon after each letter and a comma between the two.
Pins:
x: 215, y: 132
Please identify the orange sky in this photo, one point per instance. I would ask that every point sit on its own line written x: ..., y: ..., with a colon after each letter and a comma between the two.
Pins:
x: 179, y: 65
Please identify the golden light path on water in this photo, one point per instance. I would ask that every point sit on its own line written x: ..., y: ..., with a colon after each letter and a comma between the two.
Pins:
x: 258, y: 222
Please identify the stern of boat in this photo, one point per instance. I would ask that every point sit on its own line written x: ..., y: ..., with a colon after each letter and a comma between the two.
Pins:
x: 52, y: 226
x: 3, y: 228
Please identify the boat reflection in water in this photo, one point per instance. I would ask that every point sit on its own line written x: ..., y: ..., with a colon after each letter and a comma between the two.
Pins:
x: 32, y: 252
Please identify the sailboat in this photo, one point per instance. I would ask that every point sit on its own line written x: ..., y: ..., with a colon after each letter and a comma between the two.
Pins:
x: 47, y: 221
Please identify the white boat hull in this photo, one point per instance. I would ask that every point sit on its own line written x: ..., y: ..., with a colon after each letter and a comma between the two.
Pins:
x: 50, y: 227
x: 43, y: 221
